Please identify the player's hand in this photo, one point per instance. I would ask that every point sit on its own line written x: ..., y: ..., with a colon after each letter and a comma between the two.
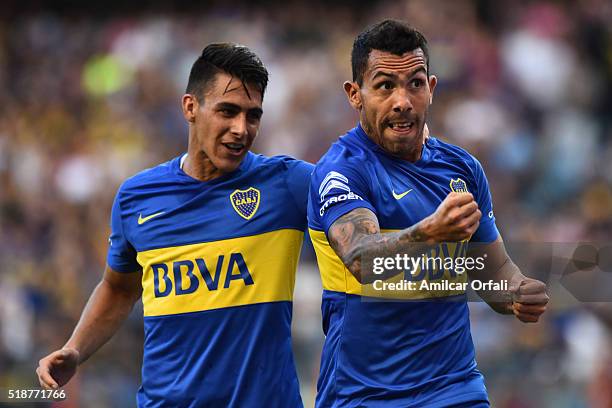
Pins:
x: 56, y: 369
x: 456, y: 219
x: 529, y: 299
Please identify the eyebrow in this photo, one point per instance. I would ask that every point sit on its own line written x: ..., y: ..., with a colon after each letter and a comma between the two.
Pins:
x: 394, y: 75
x: 228, y: 105
x: 233, y: 106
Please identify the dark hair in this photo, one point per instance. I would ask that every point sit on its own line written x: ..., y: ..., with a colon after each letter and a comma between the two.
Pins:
x: 391, y: 36
x: 237, y: 60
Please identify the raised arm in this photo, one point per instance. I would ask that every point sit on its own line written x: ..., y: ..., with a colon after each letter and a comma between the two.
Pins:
x: 357, y: 233
x: 108, y: 306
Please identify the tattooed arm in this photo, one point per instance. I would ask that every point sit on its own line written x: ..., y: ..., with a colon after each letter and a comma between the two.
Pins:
x: 357, y: 233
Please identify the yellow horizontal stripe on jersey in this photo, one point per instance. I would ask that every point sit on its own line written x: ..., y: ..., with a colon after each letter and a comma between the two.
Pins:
x: 212, y: 275
x: 336, y: 277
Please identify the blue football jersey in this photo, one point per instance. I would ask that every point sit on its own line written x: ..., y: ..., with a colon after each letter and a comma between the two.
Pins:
x: 416, y: 352
x: 219, y: 261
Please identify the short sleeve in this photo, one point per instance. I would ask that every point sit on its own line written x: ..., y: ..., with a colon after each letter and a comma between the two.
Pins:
x: 337, y: 188
x: 487, y: 231
x: 298, y: 179
x: 121, y: 254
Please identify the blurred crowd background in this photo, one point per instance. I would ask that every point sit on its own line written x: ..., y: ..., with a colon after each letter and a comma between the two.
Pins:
x: 89, y: 99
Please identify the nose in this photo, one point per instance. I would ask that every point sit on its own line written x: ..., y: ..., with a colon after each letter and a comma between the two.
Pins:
x: 401, y: 101
x: 239, y: 126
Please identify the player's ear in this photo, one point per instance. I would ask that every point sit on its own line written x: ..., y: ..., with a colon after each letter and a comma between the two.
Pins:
x: 352, y: 93
x: 432, y: 85
x: 190, y: 107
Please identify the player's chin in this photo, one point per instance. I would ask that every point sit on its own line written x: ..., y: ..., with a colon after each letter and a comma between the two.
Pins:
x: 400, y: 146
x: 402, y: 137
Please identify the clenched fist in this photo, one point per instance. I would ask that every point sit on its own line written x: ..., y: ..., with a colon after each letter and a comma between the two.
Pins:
x: 529, y: 299
x: 456, y: 219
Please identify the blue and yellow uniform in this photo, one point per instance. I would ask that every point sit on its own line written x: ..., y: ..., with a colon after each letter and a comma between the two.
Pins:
x: 412, y: 353
x: 219, y: 261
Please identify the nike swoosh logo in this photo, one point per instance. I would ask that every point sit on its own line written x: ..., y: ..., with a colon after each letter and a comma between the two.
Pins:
x: 142, y: 220
x: 399, y: 196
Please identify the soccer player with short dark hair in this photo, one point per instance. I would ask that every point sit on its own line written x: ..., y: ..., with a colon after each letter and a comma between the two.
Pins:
x: 210, y: 240
x: 386, y: 188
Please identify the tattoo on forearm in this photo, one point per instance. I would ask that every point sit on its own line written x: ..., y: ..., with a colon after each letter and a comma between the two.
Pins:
x: 358, y: 233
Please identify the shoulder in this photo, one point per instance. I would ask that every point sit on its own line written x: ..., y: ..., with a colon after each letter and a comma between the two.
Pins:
x: 148, y: 178
x: 288, y: 173
x: 343, y: 157
x: 453, y: 154
x: 286, y: 166
x: 278, y: 163
x: 449, y: 151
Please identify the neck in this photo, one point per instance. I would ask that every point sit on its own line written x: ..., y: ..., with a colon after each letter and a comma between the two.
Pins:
x: 412, y: 153
x: 198, y: 165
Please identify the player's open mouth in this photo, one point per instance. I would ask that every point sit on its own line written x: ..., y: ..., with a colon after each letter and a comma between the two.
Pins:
x: 234, y: 148
x: 401, y: 127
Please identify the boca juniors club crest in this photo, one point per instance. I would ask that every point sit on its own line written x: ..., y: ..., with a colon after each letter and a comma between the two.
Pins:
x: 458, y: 186
x: 246, y: 202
